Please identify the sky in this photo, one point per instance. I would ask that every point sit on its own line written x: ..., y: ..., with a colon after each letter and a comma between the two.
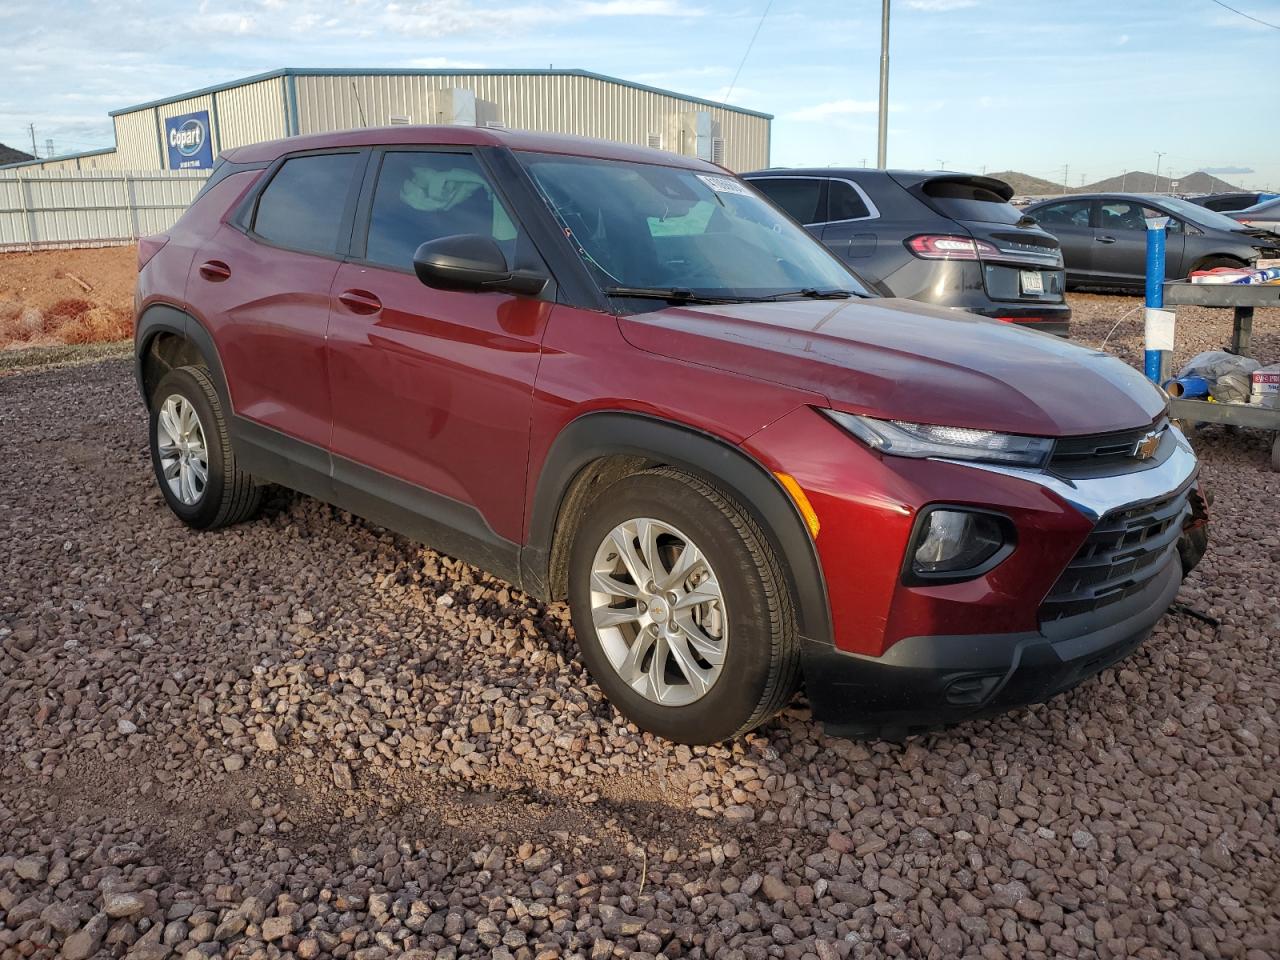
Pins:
x: 1095, y: 86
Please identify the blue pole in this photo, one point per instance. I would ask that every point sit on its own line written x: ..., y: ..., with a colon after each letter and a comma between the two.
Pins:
x: 1155, y: 345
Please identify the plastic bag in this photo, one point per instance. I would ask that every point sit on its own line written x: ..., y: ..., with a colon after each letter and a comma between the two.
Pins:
x: 1227, y: 374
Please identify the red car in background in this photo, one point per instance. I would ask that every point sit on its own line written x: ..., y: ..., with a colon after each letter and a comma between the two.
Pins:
x: 622, y: 377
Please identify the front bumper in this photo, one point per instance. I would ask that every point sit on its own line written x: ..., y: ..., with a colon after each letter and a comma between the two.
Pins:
x: 922, y: 683
x: 997, y: 646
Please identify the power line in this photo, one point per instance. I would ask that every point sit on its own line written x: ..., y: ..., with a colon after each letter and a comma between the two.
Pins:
x: 1247, y: 16
x: 743, y: 62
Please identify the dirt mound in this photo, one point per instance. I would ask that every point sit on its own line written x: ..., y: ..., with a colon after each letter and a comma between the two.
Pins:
x: 44, y: 300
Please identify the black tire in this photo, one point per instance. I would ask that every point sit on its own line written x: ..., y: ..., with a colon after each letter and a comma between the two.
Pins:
x: 761, y: 664
x: 229, y: 495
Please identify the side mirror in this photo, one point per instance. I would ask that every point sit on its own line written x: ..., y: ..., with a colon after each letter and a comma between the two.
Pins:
x: 472, y: 262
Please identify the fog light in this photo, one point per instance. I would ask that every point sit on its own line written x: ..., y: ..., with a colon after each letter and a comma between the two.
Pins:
x: 950, y: 542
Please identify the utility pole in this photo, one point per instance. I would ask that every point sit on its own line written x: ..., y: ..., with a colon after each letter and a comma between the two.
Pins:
x: 1124, y: 176
x: 32, y: 127
x: 864, y: 163
x: 1159, y: 156
x: 882, y: 139
x: 942, y: 164
x: 1066, y: 185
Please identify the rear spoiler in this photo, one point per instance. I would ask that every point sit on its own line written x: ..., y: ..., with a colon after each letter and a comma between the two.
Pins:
x: 918, y: 181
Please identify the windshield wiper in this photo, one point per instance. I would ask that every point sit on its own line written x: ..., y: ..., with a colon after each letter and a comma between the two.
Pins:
x: 813, y: 294
x: 670, y: 294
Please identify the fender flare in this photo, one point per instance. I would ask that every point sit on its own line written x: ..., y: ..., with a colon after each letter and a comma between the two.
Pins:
x: 165, y: 318
x: 598, y: 435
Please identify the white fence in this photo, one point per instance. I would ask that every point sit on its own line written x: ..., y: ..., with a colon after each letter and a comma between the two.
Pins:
x: 90, y: 208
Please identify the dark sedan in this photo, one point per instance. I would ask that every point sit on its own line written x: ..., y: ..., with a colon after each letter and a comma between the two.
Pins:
x: 1104, y: 237
x: 945, y: 238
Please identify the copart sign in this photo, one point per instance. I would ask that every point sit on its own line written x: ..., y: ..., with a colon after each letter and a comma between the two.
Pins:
x: 187, y: 137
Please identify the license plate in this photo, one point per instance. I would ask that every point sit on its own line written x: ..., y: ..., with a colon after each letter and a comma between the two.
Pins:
x: 1032, y: 281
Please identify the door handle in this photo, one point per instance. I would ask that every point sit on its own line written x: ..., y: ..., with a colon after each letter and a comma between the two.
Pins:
x: 1105, y: 239
x: 215, y: 271
x: 360, y: 301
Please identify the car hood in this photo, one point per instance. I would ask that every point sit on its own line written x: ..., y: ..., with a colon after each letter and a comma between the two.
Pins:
x: 903, y: 360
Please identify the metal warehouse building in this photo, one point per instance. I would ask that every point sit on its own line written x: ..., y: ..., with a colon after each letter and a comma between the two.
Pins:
x: 188, y: 130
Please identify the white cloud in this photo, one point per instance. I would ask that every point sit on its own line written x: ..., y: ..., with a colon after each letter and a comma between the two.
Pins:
x: 833, y: 110
x: 636, y: 8
x: 940, y: 6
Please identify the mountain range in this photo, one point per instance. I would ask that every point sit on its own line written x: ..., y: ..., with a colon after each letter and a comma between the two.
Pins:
x: 1135, y: 181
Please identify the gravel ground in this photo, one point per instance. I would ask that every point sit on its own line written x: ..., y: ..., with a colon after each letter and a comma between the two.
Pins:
x: 306, y: 737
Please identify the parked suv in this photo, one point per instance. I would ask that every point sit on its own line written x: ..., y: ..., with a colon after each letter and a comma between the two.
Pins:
x: 945, y: 238
x: 619, y: 376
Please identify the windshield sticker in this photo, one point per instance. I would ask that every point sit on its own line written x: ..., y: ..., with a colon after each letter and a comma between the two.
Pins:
x: 724, y: 185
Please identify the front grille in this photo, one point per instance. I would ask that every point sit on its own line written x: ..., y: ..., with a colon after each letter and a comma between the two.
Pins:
x: 1080, y: 456
x: 1118, y: 559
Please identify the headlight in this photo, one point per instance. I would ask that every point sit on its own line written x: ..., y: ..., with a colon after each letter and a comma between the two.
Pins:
x: 902, y: 439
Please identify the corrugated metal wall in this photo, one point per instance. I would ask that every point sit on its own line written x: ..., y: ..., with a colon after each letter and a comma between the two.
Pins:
x: 555, y: 103
x: 138, y: 141
x: 552, y: 103
x: 251, y: 114
x: 90, y: 207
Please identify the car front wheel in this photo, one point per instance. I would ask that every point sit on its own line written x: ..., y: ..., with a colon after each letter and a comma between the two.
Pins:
x: 681, y: 610
x: 192, y: 456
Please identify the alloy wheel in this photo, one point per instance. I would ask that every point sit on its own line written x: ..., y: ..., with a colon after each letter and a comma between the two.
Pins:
x: 659, y: 612
x: 184, y: 456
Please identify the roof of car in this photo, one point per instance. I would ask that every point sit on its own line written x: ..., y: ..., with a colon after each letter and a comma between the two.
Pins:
x: 466, y: 136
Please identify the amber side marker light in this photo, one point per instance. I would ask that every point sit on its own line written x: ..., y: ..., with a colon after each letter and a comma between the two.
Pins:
x: 802, y: 503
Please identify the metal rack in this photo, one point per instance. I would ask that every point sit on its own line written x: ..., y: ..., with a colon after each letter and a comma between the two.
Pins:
x: 1242, y: 299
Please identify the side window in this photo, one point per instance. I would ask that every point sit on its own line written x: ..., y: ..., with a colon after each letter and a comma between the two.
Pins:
x: 1122, y: 215
x: 1071, y: 213
x: 424, y: 196
x: 844, y: 202
x: 302, y: 206
x: 800, y: 198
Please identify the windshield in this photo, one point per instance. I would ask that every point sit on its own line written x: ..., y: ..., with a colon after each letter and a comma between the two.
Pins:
x: 647, y: 226
x: 1200, y: 215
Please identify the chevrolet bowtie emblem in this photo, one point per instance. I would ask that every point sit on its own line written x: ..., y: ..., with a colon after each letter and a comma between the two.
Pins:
x: 1146, y: 448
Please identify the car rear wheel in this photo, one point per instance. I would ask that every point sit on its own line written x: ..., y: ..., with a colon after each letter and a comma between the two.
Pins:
x: 192, y: 456
x: 681, y: 610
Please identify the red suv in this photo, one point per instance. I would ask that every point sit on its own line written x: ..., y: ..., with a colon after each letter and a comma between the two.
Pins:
x: 623, y: 377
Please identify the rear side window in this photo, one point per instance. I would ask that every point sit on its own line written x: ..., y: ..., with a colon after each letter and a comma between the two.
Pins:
x: 961, y: 200
x: 845, y: 203
x: 800, y: 198
x: 422, y: 195
x: 303, y: 205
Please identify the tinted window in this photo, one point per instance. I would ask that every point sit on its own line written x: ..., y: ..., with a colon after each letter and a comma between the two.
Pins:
x: 424, y: 196
x: 303, y: 204
x: 1070, y: 213
x: 844, y: 202
x: 962, y: 200
x: 798, y: 197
